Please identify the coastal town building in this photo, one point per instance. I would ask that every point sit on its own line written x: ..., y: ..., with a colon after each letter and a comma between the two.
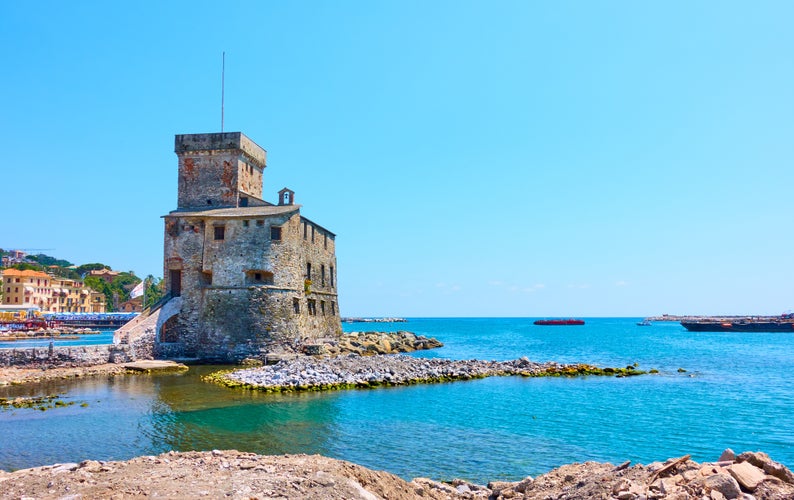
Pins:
x: 253, y: 277
x: 105, y: 274
x: 134, y: 305
x: 27, y: 288
x: 12, y: 257
x: 48, y: 293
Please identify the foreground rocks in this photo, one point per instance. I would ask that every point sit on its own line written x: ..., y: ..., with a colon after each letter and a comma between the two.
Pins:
x: 233, y: 474
x: 311, y: 374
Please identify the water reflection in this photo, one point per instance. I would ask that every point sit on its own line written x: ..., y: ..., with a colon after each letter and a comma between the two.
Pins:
x: 148, y: 414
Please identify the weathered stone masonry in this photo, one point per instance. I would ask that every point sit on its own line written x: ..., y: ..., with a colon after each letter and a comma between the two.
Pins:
x: 254, y: 277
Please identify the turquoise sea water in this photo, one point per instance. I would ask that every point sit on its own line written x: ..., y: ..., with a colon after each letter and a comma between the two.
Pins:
x: 736, y: 393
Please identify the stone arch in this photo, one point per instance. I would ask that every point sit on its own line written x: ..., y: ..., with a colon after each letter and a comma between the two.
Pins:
x: 169, y: 332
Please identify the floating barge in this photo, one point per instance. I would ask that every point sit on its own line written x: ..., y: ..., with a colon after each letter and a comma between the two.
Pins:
x: 783, y: 323
x: 559, y: 322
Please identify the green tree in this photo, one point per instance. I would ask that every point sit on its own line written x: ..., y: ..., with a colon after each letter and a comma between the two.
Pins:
x: 46, y: 260
x: 25, y: 266
x: 155, y: 290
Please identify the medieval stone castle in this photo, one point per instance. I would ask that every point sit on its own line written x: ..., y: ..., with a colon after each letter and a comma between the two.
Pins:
x: 246, y: 277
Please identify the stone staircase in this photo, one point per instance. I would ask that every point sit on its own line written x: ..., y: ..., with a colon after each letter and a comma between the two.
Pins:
x: 140, y: 333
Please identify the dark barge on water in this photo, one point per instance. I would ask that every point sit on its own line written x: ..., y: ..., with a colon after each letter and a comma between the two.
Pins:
x: 782, y: 323
x: 559, y: 322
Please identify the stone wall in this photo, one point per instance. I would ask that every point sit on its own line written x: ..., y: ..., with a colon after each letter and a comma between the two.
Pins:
x: 226, y: 314
x: 45, y: 357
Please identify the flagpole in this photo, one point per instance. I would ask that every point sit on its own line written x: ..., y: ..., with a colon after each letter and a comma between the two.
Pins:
x: 223, y: 86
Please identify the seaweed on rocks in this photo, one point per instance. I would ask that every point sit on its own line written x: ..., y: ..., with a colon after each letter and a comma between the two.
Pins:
x: 308, y: 373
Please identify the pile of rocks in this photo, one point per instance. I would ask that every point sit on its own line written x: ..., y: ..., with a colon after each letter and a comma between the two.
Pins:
x: 371, y: 343
x: 311, y: 373
x: 749, y: 476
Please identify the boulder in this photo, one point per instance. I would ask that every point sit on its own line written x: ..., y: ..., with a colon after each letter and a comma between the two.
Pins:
x: 723, y: 483
x: 762, y: 461
x: 727, y: 456
x: 747, y: 475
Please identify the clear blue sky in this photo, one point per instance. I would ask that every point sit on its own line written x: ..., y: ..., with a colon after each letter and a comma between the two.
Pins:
x: 527, y: 158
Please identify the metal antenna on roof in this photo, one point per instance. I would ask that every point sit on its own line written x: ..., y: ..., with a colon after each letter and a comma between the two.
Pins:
x: 223, y: 84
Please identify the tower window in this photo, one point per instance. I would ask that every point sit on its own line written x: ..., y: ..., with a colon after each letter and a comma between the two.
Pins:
x: 308, y: 270
x: 219, y: 232
x: 312, y: 306
x: 245, y: 223
x: 296, y: 306
x: 275, y: 233
x: 322, y: 274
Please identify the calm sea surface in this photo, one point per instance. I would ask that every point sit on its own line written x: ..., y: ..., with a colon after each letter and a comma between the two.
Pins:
x: 736, y: 393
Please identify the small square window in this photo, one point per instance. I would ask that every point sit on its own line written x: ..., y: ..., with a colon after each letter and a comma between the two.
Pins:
x: 219, y: 232
x: 296, y: 306
x: 260, y: 223
x: 275, y: 233
x: 245, y: 223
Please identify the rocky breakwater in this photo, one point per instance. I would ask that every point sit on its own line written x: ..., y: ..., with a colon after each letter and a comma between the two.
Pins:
x: 371, y: 343
x: 307, y: 373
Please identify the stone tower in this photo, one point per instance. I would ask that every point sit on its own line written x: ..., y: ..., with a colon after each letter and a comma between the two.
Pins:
x: 253, y: 277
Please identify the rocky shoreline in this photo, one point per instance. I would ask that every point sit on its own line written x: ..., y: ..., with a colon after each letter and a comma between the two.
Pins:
x: 240, y: 475
x: 308, y: 373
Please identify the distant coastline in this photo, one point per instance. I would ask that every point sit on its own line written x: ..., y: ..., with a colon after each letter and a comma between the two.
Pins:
x: 374, y: 320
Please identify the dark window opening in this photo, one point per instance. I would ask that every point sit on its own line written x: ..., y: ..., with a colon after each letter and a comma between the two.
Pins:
x: 176, y: 282
x: 308, y: 270
x: 332, y: 276
x: 243, y: 201
x: 275, y: 233
x: 219, y: 232
x: 305, y: 230
x: 333, y: 308
x: 209, y: 202
x: 322, y: 274
x: 312, y: 234
x: 258, y: 277
x: 260, y: 223
x: 325, y: 241
x: 245, y: 223
x: 322, y: 307
x: 312, y: 306
x: 296, y: 306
